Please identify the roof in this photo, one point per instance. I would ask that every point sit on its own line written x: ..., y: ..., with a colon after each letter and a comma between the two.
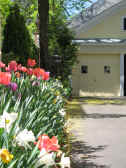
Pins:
x: 97, y: 8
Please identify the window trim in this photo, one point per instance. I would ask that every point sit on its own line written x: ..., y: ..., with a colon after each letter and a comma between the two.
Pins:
x: 122, y: 24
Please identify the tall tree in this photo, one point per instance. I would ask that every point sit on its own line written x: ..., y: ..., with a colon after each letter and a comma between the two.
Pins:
x: 43, y: 8
x: 17, y: 39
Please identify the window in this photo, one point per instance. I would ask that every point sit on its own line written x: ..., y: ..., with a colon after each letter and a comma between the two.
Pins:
x: 107, y: 69
x: 124, y: 23
x: 84, y: 69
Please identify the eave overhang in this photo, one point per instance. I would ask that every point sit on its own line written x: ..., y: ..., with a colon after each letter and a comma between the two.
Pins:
x: 94, y: 46
x: 99, y: 42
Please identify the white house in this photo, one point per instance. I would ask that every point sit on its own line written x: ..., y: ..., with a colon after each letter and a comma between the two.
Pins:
x: 101, y: 33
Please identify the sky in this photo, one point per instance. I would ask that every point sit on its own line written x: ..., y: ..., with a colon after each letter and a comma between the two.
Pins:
x: 88, y: 4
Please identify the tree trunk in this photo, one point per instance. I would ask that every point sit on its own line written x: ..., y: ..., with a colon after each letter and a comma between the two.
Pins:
x: 43, y: 8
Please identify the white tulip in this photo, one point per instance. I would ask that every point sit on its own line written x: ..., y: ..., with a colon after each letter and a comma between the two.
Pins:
x: 7, y: 119
x: 45, y: 158
x: 65, y: 162
x: 24, y: 137
x: 62, y: 112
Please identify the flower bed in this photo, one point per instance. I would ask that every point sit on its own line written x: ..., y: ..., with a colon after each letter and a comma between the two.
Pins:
x: 31, y: 118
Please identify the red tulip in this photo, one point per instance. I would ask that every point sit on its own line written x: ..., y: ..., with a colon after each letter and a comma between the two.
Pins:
x: 30, y: 71
x: 23, y: 69
x: 19, y: 67
x: 46, y: 76
x: 38, y: 72
x: 44, y: 142
x: 31, y: 62
x: 5, y: 78
x: 12, y: 66
x: 7, y: 69
x: 2, y: 65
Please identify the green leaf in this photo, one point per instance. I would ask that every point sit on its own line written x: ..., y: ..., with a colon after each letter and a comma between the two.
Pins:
x: 12, y: 164
x: 1, y: 131
x: 35, y: 151
x: 5, y: 139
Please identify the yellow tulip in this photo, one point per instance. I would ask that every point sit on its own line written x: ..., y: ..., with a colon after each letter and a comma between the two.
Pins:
x: 5, y: 156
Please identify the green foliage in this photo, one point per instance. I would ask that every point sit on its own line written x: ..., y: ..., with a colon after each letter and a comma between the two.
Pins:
x: 60, y: 43
x: 62, y: 50
x: 29, y: 9
x: 17, y: 39
x: 38, y: 104
x: 4, y: 10
x: 40, y: 101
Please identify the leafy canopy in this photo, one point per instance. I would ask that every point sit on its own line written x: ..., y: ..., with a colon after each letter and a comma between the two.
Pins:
x: 70, y: 8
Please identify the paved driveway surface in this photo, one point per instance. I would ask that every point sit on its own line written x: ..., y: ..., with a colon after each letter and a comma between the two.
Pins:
x: 99, y: 136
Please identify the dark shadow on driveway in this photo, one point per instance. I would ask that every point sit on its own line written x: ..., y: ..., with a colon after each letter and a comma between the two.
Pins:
x: 99, y: 116
x: 75, y: 111
x: 81, y: 154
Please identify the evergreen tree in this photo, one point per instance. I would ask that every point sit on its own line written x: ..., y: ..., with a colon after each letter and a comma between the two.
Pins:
x: 17, y: 43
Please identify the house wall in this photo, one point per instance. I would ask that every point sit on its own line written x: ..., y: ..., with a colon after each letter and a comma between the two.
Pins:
x: 101, y: 48
x: 108, y: 27
x: 96, y: 82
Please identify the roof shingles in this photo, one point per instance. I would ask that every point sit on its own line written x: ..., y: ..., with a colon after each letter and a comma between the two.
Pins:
x: 95, y: 9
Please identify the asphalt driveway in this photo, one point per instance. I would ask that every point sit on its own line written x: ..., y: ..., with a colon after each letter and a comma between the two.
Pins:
x: 98, y: 135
